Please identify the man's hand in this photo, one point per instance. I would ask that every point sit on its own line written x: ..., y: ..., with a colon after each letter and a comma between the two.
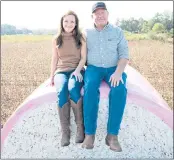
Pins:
x: 115, y: 79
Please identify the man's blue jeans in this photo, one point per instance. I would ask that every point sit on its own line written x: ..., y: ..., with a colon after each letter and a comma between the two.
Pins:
x: 117, y: 99
x: 67, y: 87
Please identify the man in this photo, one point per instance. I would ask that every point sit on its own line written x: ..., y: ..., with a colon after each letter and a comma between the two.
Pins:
x: 107, y: 58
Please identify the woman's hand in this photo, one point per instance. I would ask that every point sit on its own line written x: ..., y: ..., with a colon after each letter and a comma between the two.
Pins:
x: 77, y: 75
x: 52, y: 81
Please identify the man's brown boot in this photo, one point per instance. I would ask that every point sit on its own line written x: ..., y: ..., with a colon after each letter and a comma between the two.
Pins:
x: 64, y: 116
x: 112, y: 141
x: 88, y: 143
x: 78, y: 114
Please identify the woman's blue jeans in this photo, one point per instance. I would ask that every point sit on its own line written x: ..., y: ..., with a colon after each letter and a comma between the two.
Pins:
x: 117, y: 99
x: 67, y: 87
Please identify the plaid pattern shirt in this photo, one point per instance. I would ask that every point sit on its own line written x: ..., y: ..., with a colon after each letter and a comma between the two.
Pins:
x: 106, y: 47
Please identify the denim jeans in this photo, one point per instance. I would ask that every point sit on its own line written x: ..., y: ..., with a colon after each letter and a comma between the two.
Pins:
x: 117, y: 99
x: 67, y: 87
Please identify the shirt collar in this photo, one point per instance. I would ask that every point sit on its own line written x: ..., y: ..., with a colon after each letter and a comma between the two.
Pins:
x: 105, y: 27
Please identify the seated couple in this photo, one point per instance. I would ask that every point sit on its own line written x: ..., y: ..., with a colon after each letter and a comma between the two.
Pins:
x: 105, y: 51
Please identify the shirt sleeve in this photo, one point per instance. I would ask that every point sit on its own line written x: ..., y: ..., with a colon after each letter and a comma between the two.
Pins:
x: 122, y: 48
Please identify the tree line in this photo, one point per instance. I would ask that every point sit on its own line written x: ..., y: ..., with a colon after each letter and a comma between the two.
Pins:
x: 160, y: 23
x: 7, y: 29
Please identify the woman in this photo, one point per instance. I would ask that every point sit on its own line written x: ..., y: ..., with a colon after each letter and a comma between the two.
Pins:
x: 68, y: 60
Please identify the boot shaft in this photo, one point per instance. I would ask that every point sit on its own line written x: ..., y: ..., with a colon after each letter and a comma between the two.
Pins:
x: 78, y: 114
x: 78, y: 111
x: 64, y: 116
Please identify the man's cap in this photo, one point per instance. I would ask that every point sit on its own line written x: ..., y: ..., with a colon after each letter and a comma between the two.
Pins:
x: 98, y: 5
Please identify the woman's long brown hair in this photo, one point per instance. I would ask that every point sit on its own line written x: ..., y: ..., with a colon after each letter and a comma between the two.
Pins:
x: 76, y: 32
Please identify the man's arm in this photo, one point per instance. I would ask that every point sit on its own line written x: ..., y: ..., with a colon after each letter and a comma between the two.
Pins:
x: 121, y: 66
x: 123, y: 53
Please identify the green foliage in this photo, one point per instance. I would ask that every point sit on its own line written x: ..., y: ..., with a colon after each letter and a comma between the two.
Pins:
x: 158, y: 36
x: 144, y: 26
x: 171, y: 33
x: 158, y: 28
x: 7, y: 29
x: 135, y: 36
x: 131, y: 25
x: 163, y: 37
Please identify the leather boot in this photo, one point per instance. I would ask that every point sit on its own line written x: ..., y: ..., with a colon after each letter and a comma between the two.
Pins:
x: 112, y: 141
x: 78, y: 114
x: 64, y: 116
x: 88, y: 143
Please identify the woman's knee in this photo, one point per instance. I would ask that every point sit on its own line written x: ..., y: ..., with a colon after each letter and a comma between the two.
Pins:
x: 60, y: 80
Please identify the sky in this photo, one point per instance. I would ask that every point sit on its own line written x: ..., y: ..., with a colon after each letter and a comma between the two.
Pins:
x: 47, y: 14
